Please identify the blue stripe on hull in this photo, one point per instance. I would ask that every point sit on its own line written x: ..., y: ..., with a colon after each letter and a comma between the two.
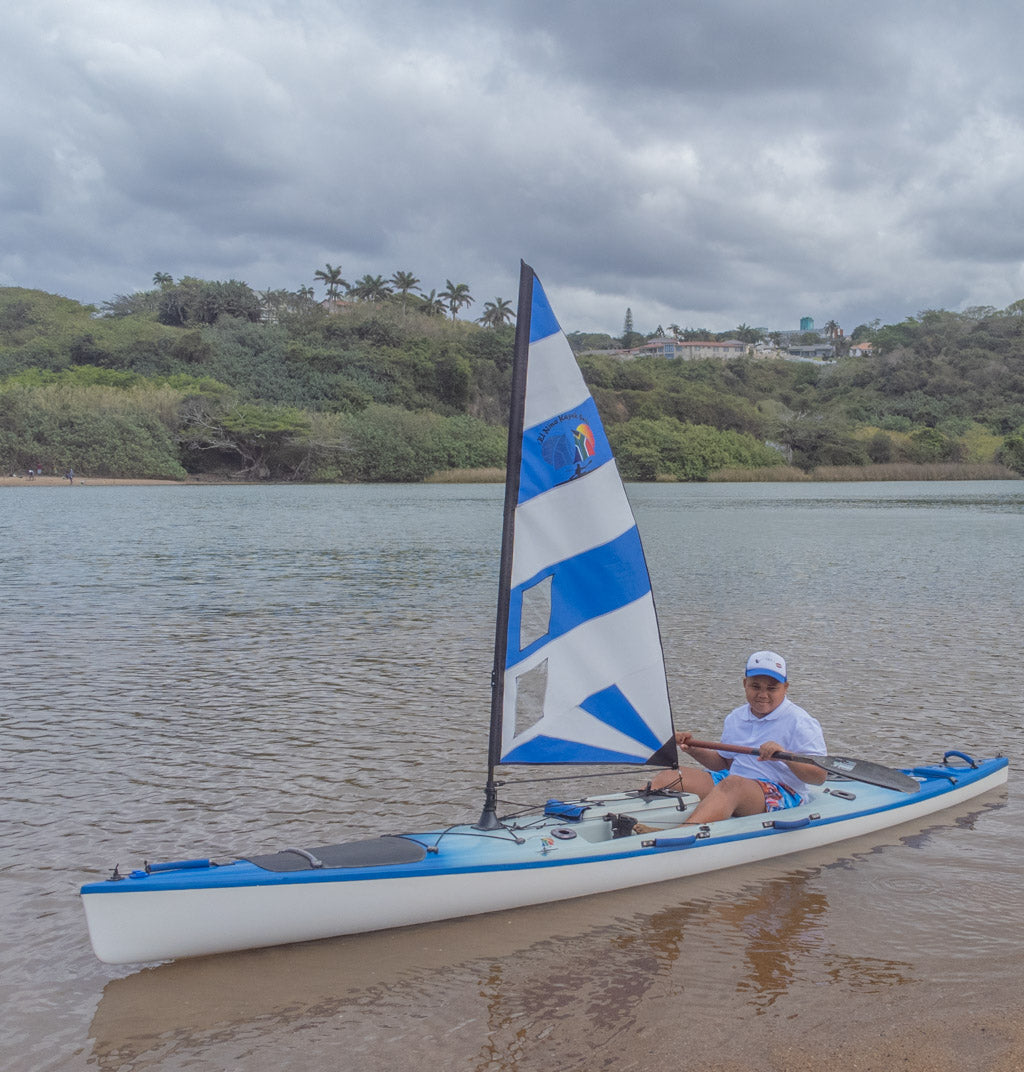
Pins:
x: 244, y: 874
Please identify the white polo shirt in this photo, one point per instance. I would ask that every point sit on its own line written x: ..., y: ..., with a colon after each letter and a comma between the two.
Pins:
x: 790, y: 726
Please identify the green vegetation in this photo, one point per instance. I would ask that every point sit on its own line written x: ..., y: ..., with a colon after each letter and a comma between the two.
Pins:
x: 381, y: 382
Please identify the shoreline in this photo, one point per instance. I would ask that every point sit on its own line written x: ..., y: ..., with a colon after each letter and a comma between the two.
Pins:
x: 96, y: 481
x: 886, y: 474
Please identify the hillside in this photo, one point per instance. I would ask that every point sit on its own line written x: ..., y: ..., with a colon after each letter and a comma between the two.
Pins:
x: 203, y: 378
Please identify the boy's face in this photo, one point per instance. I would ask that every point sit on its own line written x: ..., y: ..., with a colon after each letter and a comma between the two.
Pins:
x: 764, y: 694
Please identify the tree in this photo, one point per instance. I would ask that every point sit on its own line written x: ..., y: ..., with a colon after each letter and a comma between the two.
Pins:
x: 198, y: 301
x: 136, y: 304
x: 1012, y: 453
x: 331, y: 278
x: 162, y: 279
x: 814, y: 439
x: 371, y: 288
x: 630, y: 338
x: 880, y: 448
x: 865, y: 332
x: 930, y: 445
x: 403, y: 282
x: 496, y: 313
x: 456, y: 295
x: 647, y: 449
x: 833, y: 332
x: 432, y: 304
x: 745, y: 333
x: 279, y: 304
x: 259, y: 435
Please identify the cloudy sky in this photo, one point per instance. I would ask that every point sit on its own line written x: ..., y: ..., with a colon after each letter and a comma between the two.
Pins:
x: 702, y: 162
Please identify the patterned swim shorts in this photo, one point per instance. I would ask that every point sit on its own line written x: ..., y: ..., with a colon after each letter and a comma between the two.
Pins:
x: 776, y: 797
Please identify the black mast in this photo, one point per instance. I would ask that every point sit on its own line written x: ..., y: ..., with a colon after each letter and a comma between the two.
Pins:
x: 489, y: 817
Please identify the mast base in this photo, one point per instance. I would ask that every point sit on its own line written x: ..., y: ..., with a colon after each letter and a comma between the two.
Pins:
x: 489, y: 816
x: 488, y: 820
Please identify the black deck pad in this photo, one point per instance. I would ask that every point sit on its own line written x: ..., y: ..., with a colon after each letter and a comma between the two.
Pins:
x: 375, y: 853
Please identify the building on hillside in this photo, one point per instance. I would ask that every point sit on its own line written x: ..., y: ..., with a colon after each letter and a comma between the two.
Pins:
x: 688, y: 351
x: 860, y: 349
x: 820, y: 352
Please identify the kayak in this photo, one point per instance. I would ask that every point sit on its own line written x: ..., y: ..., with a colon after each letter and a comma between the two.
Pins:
x: 564, y: 850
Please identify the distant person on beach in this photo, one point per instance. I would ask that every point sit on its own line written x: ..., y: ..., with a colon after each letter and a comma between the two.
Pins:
x: 70, y: 475
x: 769, y: 721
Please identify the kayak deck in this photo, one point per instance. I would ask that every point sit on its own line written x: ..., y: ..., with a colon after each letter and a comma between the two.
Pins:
x: 571, y: 849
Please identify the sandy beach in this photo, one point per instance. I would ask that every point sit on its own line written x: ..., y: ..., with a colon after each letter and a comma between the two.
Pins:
x: 86, y: 481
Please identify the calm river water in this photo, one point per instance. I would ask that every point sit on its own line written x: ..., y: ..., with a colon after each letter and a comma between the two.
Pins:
x: 205, y: 670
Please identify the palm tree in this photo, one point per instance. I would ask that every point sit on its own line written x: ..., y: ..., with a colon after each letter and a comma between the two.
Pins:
x: 832, y: 330
x: 456, y: 295
x: 432, y: 304
x: 371, y: 288
x: 331, y: 278
x: 403, y: 282
x: 496, y: 313
x: 162, y: 279
x: 271, y: 302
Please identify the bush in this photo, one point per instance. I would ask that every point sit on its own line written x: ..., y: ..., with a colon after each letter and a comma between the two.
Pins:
x: 648, y: 449
x: 56, y: 428
x: 1012, y: 452
x: 386, y: 444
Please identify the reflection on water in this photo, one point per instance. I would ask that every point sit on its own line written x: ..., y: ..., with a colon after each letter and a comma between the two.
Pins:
x: 205, y: 671
x: 503, y: 989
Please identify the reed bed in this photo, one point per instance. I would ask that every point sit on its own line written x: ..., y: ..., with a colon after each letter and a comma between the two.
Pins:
x: 768, y: 475
x: 894, y: 471
x: 467, y: 476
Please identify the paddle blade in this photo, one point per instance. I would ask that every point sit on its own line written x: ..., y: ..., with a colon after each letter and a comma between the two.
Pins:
x: 861, y: 770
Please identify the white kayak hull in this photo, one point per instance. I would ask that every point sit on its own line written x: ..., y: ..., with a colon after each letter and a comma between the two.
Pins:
x: 196, y: 908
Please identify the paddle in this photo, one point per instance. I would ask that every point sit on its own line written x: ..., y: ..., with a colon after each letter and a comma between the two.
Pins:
x: 860, y: 770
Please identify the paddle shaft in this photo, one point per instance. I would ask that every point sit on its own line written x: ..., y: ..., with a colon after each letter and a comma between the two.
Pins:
x: 748, y: 751
x: 860, y: 770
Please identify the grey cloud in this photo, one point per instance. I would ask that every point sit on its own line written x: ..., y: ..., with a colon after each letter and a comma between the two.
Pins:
x: 704, y: 163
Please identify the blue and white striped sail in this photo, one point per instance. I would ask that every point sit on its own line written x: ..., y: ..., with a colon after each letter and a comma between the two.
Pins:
x: 583, y: 674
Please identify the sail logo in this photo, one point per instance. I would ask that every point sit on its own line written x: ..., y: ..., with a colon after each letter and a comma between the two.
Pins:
x: 583, y: 438
x: 568, y: 445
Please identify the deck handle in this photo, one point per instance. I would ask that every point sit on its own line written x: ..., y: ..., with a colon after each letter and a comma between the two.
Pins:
x: 959, y: 755
x: 790, y: 824
x: 670, y: 842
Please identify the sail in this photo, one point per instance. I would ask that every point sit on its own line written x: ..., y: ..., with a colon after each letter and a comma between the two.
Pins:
x: 579, y: 671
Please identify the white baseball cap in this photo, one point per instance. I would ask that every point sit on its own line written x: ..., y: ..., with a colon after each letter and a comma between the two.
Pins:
x: 766, y: 664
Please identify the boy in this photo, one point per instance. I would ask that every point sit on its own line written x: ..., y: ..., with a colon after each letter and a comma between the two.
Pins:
x: 746, y: 785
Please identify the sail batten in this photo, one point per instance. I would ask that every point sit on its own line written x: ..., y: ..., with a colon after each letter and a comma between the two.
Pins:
x: 579, y: 673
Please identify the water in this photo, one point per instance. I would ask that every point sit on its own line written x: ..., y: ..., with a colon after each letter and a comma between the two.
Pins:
x: 200, y: 671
